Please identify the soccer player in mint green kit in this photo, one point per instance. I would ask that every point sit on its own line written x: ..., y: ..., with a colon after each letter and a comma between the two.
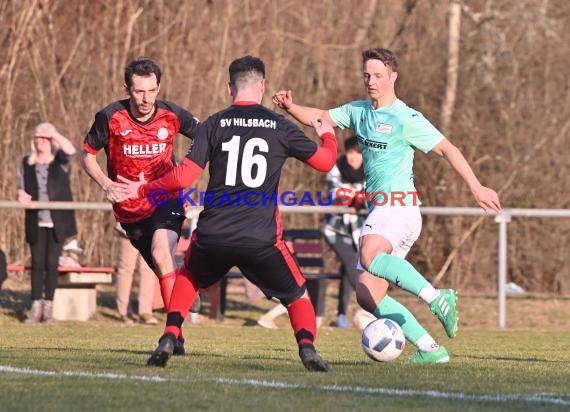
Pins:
x: 389, y: 132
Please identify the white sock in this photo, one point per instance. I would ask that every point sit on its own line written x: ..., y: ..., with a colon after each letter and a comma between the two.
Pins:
x: 427, y: 343
x: 428, y: 293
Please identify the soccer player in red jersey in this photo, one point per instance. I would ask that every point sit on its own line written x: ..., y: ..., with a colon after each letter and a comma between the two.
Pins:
x: 246, y: 146
x: 137, y: 135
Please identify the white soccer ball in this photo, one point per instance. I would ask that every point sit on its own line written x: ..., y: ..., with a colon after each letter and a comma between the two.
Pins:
x: 383, y: 340
x: 362, y: 318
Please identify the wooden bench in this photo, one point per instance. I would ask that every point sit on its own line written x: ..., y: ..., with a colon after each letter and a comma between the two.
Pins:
x: 307, y: 247
x: 76, y: 293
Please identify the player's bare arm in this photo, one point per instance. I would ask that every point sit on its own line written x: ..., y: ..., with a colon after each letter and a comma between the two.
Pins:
x: 181, y: 176
x: 90, y: 165
x: 303, y: 114
x: 486, y: 197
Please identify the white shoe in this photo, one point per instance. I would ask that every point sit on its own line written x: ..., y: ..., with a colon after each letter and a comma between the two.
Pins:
x: 36, y: 313
x: 362, y: 318
x: 341, y: 321
x: 266, y: 323
x: 148, y: 319
x: 319, y: 321
x: 195, y: 318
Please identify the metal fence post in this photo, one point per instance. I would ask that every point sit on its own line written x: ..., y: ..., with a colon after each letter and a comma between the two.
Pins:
x: 502, y: 219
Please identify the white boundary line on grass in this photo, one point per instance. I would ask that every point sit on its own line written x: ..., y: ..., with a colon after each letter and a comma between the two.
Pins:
x: 103, y: 375
x: 515, y: 397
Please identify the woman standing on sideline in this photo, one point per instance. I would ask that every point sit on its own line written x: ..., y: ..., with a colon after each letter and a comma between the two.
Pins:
x: 44, y: 176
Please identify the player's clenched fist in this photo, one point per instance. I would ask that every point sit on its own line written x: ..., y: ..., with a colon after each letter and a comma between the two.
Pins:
x: 283, y: 99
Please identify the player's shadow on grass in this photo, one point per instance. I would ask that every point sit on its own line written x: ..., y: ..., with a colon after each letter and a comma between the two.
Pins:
x: 106, y: 299
x: 107, y: 305
x: 243, y: 310
x: 237, y: 309
x: 510, y: 359
x: 146, y: 352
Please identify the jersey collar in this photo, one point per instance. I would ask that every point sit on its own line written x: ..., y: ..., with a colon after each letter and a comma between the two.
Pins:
x: 244, y: 103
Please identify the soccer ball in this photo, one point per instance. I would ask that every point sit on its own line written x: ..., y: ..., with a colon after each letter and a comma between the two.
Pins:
x: 383, y: 340
x: 362, y: 318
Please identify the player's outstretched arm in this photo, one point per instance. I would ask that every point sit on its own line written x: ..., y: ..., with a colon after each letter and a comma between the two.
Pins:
x: 180, y: 177
x: 324, y: 158
x: 303, y: 114
x: 486, y: 197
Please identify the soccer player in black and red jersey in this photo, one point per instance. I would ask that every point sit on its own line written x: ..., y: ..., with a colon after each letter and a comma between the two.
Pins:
x: 137, y: 135
x: 246, y: 146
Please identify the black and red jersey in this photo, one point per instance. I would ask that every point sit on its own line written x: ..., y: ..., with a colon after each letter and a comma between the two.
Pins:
x: 246, y: 146
x: 133, y: 147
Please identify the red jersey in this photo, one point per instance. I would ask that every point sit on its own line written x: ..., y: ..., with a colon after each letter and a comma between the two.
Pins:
x: 133, y: 147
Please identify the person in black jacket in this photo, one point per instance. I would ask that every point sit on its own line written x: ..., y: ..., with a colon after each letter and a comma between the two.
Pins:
x: 342, y: 231
x: 3, y: 268
x: 44, y: 176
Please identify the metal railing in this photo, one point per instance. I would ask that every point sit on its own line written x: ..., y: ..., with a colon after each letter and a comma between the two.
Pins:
x: 502, y: 219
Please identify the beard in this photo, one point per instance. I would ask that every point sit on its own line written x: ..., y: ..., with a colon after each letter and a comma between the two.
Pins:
x: 145, y: 108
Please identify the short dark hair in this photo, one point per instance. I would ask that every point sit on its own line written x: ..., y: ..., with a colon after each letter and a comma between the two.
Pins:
x: 351, y: 144
x: 141, y: 66
x: 384, y: 55
x: 245, y: 69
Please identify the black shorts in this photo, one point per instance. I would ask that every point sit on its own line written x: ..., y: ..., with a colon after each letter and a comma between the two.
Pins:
x: 273, y: 269
x: 169, y: 216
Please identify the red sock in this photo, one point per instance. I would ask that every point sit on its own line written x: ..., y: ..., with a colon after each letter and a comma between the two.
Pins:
x: 183, y: 295
x: 303, y: 320
x: 166, y: 285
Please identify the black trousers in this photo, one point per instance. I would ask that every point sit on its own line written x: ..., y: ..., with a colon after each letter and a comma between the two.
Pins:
x: 45, y: 256
x: 348, y: 258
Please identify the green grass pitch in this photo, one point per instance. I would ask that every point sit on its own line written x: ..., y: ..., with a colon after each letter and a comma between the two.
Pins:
x: 101, y: 367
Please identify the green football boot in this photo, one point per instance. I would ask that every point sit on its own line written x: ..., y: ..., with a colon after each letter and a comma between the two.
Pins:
x: 445, y: 308
x: 423, y: 357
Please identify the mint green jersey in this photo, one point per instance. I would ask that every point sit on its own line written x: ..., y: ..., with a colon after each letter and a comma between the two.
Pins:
x: 388, y: 138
